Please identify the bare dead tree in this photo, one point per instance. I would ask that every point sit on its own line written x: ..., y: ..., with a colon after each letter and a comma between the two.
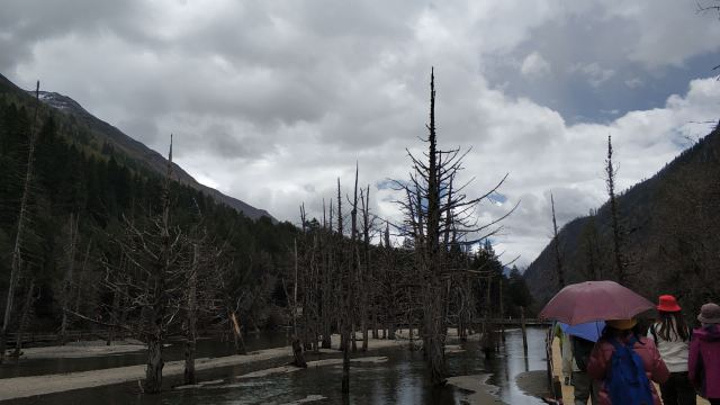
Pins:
x: 191, y: 320
x: 366, y: 278
x: 556, y: 243
x: 346, y: 284
x: 618, y: 231
x: 26, y: 314
x: 22, y: 227
x: 435, y: 208
x: 153, y: 282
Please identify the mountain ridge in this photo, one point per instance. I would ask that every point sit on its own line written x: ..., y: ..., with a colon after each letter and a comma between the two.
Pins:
x: 671, y: 239
x: 127, y: 145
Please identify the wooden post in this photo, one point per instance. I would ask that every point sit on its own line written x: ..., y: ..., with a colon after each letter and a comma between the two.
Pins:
x: 524, y: 330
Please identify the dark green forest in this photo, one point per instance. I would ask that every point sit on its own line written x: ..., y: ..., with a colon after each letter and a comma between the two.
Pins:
x: 101, y: 188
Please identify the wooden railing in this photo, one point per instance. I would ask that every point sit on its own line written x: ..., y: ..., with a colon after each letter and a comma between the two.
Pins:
x: 514, y: 321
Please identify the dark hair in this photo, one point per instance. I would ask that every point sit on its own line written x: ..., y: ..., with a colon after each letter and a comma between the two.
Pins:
x: 672, y: 323
x: 609, y: 333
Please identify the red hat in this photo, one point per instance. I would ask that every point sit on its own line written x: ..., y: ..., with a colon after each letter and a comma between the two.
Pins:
x: 667, y: 303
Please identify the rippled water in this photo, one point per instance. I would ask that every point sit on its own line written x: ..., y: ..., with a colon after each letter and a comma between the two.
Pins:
x: 401, y: 379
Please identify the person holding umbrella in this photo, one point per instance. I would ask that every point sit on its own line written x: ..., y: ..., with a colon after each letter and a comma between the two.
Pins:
x: 704, y: 358
x: 672, y: 338
x: 583, y: 338
x: 624, y: 363
x: 585, y: 387
x: 565, y: 350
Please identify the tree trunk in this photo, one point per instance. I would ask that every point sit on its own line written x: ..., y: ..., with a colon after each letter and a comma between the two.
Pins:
x: 346, y: 361
x: 237, y: 334
x: 68, y: 280
x: 191, y: 322
x: 433, y: 342
x: 115, y: 317
x: 24, y: 318
x: 159, y: 298
x: 364, y: 327
x: 298, y: 353
x: 353, y: 340
x: 618, y: 232
x: 327, y: 334
x: 155, y: 364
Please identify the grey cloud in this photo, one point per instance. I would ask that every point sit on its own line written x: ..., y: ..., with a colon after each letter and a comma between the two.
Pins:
x: 273, y: 101
x: 25, y: 23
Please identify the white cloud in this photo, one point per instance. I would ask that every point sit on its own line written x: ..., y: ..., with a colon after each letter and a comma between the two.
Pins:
x: 535, y: 65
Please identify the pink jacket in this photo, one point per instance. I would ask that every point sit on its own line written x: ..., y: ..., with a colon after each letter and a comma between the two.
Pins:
x: 704, y: 359
x: 600, y: 362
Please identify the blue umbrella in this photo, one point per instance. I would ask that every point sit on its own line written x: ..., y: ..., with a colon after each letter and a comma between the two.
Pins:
x: 589, y: 331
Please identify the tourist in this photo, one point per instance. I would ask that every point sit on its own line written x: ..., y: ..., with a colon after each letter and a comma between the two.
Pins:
x: 672, y: 338
x: 585, y: 388
x: 565, y: 353
x: 637, y: 360
x: 704, y: 358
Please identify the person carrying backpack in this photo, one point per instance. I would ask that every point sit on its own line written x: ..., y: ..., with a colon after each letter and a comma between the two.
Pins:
x: 672, y: 338
x: 704, y: 358
x: 625, y: 363
x: 585, y: 388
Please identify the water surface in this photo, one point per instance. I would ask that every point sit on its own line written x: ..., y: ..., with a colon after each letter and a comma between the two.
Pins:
x: 402, y: 379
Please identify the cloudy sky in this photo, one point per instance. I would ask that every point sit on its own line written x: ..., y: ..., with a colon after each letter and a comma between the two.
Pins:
x: 271, y: 101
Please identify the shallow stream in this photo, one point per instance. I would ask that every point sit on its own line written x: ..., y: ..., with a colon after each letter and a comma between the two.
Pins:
x: 400, y: 379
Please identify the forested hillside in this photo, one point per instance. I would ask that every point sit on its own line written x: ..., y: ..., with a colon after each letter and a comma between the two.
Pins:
x: 95, y: 134
x: 82, y: 194
x: 669, y: 226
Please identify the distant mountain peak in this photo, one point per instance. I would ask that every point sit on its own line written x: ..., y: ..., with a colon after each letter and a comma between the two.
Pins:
x: 58, y: 101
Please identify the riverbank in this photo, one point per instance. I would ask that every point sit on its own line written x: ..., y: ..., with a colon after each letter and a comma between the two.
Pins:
x: 83, y: 349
